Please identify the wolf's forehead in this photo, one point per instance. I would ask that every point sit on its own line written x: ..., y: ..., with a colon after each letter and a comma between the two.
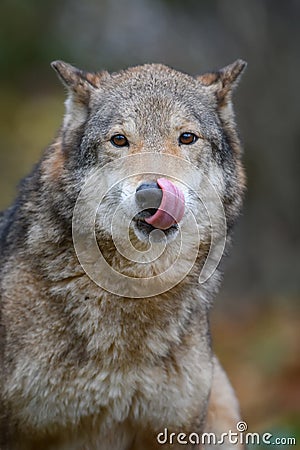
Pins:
x: 132, y: 91
x: 152, y: 76
x: 142, y: 112
x: 154, y: 84
x: 159, y: 101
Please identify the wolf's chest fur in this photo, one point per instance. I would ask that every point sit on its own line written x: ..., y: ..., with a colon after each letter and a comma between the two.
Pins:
x: 114, y: 360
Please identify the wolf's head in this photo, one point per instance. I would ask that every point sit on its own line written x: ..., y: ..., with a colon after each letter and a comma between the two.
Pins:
x: 155, y: 148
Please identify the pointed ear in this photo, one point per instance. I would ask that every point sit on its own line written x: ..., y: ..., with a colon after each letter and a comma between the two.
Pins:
x: 76, y: 81
x: 80, y: 85
x: 224, y: 81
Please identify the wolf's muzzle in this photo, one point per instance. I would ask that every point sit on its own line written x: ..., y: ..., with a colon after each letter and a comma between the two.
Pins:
x: 162, y: 203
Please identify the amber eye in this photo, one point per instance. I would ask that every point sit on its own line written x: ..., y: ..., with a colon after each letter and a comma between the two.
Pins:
x: 119, y: 140
x: 187, y: 138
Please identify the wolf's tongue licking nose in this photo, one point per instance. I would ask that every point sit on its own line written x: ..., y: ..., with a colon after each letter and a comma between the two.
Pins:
x: 171, y: 208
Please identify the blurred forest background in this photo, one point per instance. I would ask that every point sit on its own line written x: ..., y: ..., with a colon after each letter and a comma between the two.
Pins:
x: 255, y: 320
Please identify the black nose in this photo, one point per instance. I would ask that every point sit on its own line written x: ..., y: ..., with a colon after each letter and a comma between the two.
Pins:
x: 148, y: 197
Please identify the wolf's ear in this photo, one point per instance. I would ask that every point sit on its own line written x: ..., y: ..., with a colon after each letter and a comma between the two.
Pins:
x: 80, y: 84
x: 223, y: 82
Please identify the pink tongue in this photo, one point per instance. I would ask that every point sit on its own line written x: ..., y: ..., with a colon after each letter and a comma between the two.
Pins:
x: 171, y: 209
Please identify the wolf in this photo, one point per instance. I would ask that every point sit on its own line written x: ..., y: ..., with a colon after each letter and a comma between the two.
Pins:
x: 99, y: 359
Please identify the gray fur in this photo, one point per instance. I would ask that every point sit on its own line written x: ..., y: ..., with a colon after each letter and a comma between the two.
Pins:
x: 82, y: 368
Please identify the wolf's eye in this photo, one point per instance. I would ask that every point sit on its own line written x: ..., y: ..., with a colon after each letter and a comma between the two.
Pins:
x: 187, y: 138
x: 119, y: 140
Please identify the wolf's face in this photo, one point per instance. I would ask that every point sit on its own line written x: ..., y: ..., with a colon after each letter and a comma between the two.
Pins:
x: 168, y: 140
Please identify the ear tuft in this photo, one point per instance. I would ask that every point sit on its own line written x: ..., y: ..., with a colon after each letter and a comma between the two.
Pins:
x: 67, y: 73
x: 224, y: 81
x: 80, y: 84
x: 230, y: 75
x: 74, y: 79
x: 79, y: 91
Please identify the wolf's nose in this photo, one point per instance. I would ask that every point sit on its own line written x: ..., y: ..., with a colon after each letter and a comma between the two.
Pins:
x: 148, y: 196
